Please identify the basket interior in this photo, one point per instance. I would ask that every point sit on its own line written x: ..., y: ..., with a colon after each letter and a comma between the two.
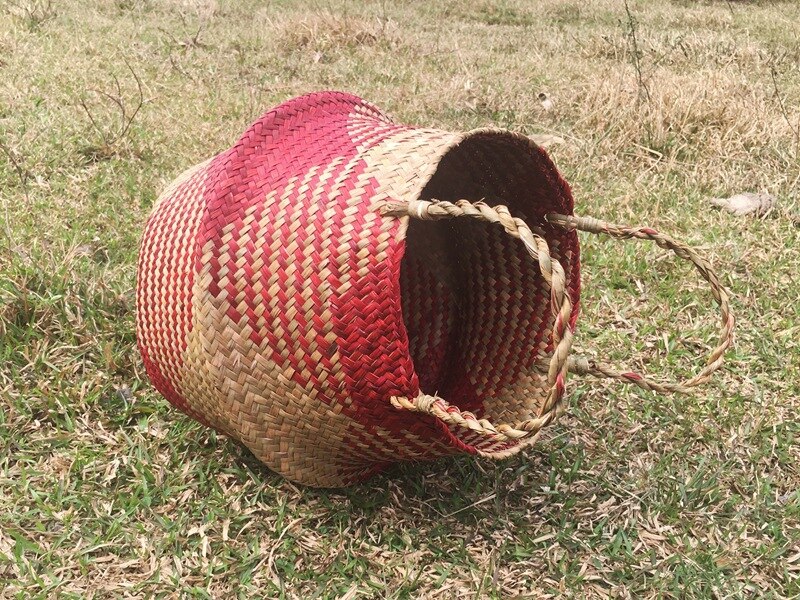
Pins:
x: 475, y: 306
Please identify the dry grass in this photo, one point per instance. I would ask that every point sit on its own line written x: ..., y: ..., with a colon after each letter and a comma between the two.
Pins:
x: 107, y: 492
x: 325, y: 32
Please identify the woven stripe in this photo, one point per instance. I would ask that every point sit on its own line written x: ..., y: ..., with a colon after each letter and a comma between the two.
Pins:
x: 278, y: 305
x: 165, y: 280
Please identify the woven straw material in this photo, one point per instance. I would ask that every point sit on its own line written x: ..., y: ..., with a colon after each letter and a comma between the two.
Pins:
x: 305, y: 294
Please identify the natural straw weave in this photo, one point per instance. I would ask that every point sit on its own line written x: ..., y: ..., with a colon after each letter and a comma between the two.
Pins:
x: 339, y: 292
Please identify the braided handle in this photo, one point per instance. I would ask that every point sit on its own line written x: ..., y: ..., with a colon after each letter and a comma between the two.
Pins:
x: 715, y: 359
x: 560, y: 363
x: 561, y: 307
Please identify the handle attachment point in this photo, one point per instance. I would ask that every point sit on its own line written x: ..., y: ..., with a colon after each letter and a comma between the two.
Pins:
x: 720, y: 295
x: 561, y: 362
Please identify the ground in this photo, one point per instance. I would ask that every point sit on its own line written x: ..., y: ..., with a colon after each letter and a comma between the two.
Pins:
x: 108, y: 492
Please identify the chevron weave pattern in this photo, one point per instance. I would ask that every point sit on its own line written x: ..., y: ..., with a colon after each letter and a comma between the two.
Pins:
x: 301, y: 293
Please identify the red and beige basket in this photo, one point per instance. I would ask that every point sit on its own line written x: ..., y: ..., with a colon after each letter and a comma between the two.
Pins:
x: 339, y: 292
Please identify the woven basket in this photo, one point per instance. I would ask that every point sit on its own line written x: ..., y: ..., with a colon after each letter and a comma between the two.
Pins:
x: 339, y: 292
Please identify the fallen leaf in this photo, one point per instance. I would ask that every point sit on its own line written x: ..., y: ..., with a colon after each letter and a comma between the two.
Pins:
x: 545, y: 139
x: 746, y: 204
x: 547, y: 104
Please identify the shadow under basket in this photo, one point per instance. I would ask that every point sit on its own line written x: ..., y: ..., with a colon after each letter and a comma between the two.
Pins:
x: 339, y: 293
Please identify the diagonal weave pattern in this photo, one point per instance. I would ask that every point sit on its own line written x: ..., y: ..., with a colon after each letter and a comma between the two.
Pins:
x: 338, y: 292
x: 278, y: 303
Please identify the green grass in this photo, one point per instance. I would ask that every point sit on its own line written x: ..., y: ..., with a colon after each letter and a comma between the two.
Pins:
x: 107, y: 492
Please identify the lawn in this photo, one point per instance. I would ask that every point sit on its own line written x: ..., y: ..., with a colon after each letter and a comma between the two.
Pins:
x: 657, y: 107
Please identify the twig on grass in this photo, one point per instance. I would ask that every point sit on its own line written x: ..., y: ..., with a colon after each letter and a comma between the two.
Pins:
x: 636, y: 54
x: 112, y: 136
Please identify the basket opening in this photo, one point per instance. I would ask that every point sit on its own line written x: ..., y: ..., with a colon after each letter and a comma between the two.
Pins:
x: 475, y: 307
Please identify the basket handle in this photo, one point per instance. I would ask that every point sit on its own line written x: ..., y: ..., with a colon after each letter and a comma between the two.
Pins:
x: 582, y: 366
x: 561, y: 307
x: 560, y: 363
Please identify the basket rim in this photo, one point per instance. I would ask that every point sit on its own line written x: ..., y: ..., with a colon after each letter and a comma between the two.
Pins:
x: 395, y: 288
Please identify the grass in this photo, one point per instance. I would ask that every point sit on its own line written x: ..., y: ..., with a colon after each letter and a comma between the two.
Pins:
x: 107, y: 492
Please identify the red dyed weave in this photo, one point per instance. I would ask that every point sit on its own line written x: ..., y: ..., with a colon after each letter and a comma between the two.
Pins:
x: 271, y: 302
